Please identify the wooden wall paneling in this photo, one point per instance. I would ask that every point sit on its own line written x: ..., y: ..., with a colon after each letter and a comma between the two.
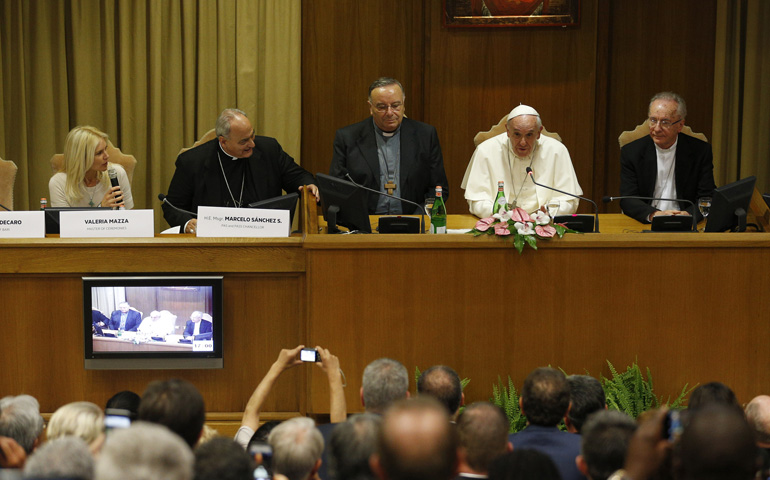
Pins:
x: 656, y: 46
x: 475, y: 76
x: 345, y: 46
x: 477, y: 311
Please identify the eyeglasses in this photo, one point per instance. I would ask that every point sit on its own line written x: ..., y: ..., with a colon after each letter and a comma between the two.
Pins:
x: 382, y: 108
x: 665, y: 124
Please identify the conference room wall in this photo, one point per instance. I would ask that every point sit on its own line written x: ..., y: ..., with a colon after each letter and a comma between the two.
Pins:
x: 589, y: 83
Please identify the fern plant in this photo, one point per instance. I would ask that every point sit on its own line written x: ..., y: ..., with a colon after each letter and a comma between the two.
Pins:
x: 507, y: 398
x: 631, y: 393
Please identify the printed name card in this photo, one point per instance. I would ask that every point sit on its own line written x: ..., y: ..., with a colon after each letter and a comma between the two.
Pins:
x: 242, y: 222
x: 106, y: 223
x: 22, y: 224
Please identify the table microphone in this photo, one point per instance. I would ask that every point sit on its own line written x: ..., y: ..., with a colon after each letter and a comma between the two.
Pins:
x: 596, y: 207
x: 1, y: 205
x: 607, y: 199
x: 422, y: 209
x: 164, y: 199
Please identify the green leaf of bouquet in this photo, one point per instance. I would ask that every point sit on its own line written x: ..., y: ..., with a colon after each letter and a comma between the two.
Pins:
x: 531, y: 240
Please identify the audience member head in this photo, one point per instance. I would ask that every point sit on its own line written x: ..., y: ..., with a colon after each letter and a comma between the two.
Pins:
x: 604, y: 443
x: 351, y: 445
x: 713, y: 393
x: 125, y: 400
x: 144, y: 451
x: 717, y: 443
x: 297, y: 448
x: 443, y: 384
x: 416, y: 442
x: 482, y: 430
x: 758, y: 416
x: 523, y: 464
x: 65, y: 457
x: 84, y: 420
x: 586, y: 396
x: 20, y: 420
x: 264, y: 431
x: 385, y: 381
x: 222, y: 458
x: 545, y: 397
x: 386, y: 103
x: 176, y: 404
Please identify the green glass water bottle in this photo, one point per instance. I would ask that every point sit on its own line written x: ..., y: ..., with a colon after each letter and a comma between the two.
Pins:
x: 438, y: 214
x: 500, y: 198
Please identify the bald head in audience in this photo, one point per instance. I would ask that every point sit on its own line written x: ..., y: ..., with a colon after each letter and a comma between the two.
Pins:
x: 416, y: 442
x: 483, y: 435
x: 443, y: 384
x: 758, y: 416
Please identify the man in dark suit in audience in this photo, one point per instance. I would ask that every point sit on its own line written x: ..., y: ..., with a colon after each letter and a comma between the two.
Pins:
x: 196, y: 325
x: 417, y: 441
x: 443, y: 384
x: 665, y: 164
x: 234, y: 170
x: 586, y: 396
x: 124, y: 318
x: 544, y: 401
x: 390, y: 153
x: 483, y: 433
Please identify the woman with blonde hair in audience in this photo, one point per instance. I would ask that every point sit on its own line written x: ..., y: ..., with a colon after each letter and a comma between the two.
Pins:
x: 84, y: 420
x: 85, y: 181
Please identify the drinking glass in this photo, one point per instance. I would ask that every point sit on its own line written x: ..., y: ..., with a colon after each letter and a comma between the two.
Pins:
x: 704, y: 205
x: 553, y: 209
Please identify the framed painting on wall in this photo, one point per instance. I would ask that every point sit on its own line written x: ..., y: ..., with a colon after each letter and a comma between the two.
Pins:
x: 511, y: 13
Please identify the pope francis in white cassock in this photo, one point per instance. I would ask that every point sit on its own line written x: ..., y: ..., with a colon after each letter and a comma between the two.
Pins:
x: 506, y: 157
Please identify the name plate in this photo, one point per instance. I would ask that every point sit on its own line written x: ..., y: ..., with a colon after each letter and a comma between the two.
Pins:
x: 242, y: 222
x: 22, y: 224
x: 106, y: 223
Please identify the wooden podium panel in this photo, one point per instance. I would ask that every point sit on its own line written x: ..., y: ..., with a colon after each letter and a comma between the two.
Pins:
x: 688, y: 305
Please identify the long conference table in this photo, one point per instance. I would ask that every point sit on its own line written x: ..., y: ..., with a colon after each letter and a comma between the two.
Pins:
x: 693, y: 307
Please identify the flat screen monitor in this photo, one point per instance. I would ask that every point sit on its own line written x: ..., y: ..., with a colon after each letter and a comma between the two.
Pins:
x: 152, y: 322
x: 729, y: 205
x: 283, y: 202
x: 52, y: 216
x: 344, y: 204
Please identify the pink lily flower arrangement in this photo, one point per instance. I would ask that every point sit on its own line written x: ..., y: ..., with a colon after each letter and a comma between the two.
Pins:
x: 521, y: 226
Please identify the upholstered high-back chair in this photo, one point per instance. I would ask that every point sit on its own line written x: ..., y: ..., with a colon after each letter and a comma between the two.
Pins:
x: 8, y: 171
x: 644, y: 130
x: 128, y: 162
x: 210, y: 135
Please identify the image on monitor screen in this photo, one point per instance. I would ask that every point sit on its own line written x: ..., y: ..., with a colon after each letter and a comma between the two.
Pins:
x: 138, y: 322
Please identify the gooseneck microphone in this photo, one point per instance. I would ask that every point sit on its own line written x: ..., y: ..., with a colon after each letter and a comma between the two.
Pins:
x: 3, y: 206
x: 422, y: 209
x: 608, y: 199
x: 164, y: 199
x: 596, y: 207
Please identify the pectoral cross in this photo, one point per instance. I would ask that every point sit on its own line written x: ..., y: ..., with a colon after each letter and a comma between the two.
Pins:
x: 390, y: 187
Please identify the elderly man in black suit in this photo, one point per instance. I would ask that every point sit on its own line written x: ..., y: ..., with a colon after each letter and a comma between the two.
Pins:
x: 234, y: 170
x: 665, y: 164
x: 124, y: 318
x: 390, y: 153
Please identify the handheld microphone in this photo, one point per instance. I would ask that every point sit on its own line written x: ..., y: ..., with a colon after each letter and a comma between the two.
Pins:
x: 114, y: 182
x: 422, y: 209
x: 164, y: 199
x: 3, y: 206
x: 608, y: 199
x: 596, y: 207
